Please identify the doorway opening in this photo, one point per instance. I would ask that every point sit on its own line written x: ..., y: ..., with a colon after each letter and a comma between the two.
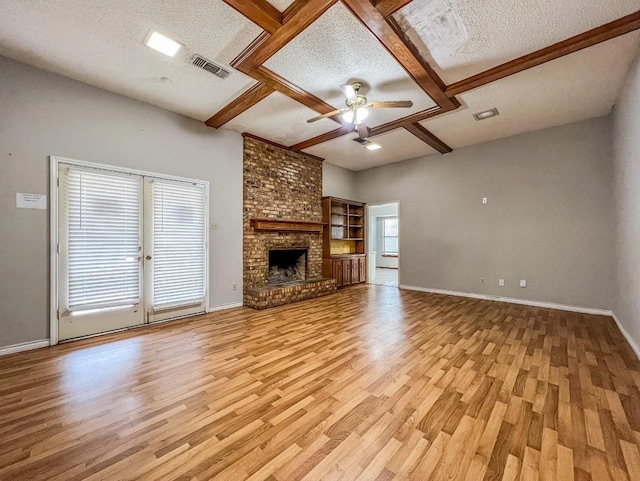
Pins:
x: 384, y: 244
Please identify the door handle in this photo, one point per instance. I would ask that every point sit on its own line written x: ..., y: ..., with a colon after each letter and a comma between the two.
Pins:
x: 148, y: 258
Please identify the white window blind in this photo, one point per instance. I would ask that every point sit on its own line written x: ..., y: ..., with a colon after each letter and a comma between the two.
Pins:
x: 100, y: 237
x: 178, y: 243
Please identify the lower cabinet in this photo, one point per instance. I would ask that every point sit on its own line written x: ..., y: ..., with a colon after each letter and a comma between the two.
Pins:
x: 362, y: 269
x: 346, y: 270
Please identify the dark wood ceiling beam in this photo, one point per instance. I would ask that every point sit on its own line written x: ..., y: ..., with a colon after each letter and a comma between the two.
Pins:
x: 428, y: 138
x: 410, y: 119
x: 291, y: 10
x: 296, y: 18
x: 260, y: 12
x: 421, y: 72
x: 305, y: 14
x: 250, y: 49
x: 245, y: 101
x: 334, y: 134
x: 389, y: 7
x: 584, y: 40
x: 276, y: 82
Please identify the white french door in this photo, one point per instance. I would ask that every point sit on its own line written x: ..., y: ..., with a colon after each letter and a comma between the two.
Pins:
x: 175, y: 273
x: 130, y: 249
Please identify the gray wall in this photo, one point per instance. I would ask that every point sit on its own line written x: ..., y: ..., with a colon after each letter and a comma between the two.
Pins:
x: 44, y: 114
x: 549, y: 217
x: 627, y: 194
x: 338, y: 182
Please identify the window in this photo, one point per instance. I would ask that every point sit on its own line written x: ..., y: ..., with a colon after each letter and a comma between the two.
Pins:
x: 390, y: 236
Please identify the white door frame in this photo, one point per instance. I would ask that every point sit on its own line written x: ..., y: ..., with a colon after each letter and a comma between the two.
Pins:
x: 368, y: 237
x: 54, y: 162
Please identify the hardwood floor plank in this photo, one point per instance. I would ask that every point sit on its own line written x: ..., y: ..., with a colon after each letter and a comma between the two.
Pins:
x: 371, y: 383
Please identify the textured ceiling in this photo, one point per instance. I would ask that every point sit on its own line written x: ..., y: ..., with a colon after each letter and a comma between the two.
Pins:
x: 396, y: 145
x: 100, y: 43
x: 582, y: 85
x: 281, y: 4
x: 337, y: 49
x: 502, y: 30
x: 281, y: 120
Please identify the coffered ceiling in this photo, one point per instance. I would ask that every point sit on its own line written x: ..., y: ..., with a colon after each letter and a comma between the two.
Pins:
x: 540, y: 64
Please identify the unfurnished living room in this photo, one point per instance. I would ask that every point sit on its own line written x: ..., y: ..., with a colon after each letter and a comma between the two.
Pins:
x: 320, y: 240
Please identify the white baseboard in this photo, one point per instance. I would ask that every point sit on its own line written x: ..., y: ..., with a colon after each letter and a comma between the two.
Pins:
x: 24, y: 346
x: 632, y: 342
x: 511, y: 300
x: 225, y: 306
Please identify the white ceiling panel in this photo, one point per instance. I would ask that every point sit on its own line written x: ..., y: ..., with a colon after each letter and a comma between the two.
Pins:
x: 338, y: 49
x: 396, y: 145
x: 580, y: 86
x: 100, y: 43
x: 281, y: 4
x: 280, y: 119
x: 502, y: 30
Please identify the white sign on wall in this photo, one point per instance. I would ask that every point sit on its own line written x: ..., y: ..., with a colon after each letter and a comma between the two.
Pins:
x: 31, y: 201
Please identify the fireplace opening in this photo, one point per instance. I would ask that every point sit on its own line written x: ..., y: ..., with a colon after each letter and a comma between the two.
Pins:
x: 287, y: 265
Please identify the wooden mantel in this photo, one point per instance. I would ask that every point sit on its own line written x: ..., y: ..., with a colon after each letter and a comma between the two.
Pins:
x: 286, y: 225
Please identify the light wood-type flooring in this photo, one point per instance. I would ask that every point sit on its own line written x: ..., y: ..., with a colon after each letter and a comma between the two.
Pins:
x: 372, y: 383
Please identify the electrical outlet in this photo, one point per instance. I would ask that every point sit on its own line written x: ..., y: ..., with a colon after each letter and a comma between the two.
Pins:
x: 214, y: 226
x: 523, y: 283
x: 501, y: 282
x: 482, y: 280
x: 485, y: 200
x: 234, y: 287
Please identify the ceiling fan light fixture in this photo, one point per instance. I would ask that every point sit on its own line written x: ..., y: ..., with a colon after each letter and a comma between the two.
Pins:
x: 355, y: 116
x: 361, y: 114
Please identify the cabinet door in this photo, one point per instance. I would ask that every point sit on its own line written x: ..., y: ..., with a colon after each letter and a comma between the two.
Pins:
x: 362, y: 262
x: 355, y: 271
x: 336, y: 268
x: 346, y: 272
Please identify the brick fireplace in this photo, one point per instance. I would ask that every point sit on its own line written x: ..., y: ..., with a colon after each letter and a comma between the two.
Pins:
x: 282, y: 223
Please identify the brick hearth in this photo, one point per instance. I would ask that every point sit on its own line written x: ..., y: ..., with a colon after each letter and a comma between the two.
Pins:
x: 282, y: 185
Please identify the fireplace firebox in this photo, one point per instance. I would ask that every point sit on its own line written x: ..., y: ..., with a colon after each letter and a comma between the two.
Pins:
x: 287, y: 265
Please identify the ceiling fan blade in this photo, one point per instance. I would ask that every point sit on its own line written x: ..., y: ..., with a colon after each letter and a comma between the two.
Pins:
x: 323, y: 116
x: 391, y: 104
x: 348, y: 91
x: 363, y: 130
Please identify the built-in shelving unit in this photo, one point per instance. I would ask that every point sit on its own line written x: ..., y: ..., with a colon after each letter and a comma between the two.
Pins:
x: 343, y: 244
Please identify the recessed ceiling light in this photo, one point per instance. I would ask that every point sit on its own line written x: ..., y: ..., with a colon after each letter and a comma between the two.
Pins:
x: 372, y: 146
x: 162, y: 44
x: 487, y: 114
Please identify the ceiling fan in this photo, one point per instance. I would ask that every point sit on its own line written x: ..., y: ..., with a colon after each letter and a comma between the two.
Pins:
x: 357, y: 108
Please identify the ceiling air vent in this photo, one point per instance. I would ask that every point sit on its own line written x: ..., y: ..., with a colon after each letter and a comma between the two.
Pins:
x: 209, y: 66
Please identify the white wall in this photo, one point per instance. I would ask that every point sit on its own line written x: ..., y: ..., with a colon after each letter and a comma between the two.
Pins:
x: 549, y: 218
x: 627, y: 195
x: 43, y: 114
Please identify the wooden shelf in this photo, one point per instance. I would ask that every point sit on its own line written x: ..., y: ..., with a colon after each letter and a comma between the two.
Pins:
x: 343, y: 248
x: 286, y: 225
